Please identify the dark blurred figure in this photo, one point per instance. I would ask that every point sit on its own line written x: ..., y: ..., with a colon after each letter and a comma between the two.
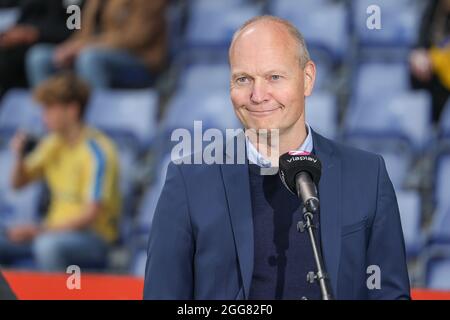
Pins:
x: 39, y: 22
x: 122, y: 43
x: 430, y: 61
x: 5, y: 291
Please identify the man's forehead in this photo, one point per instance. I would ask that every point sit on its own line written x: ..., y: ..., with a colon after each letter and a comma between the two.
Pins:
x: 260, y: 69
x: 263, y: 32
x: 263, y: 38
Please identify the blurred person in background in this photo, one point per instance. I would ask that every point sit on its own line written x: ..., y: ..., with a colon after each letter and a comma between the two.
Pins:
x: 430, y: 61
x: 39, y: 22
x: 80, y: 166
x: 121, y: 43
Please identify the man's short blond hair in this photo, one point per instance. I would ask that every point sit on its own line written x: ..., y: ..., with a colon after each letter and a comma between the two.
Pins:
x: 290, y: 28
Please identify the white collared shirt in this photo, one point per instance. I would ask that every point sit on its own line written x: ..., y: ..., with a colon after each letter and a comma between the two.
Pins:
x: 257, y: 158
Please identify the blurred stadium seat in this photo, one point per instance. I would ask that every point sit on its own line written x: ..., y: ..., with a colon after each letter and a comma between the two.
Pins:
x: 325, y: 78
x: 212, y: 107
x: 378, y: 80
x: 324, y: 24
x: 445, y: 122
x: 439, y: 274
x: 138, y: 262
x: 442, y: 181
x: 403, y: 116
x: 440, y: 231
x: 398, y: 164
x: 399, y: 22
x: 128, y: 172
x: 322, y: 113
x: 205, y: 30
x: 19, y: 111
x: 144, y: 218
x: 201, y: 77
x: 409, y: 203
x: 437, y: 264
x: 150, y: 197
x: 129, y: 117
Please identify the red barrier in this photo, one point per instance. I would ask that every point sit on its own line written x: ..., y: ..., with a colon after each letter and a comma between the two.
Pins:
x: 45, y: 286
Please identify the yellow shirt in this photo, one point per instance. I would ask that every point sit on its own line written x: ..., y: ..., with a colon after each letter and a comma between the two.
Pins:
x: 78, y: 175
x: 440, y: 58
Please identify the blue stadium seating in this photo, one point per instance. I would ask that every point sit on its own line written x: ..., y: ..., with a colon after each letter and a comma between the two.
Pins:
x: 324, y: 24
x: 127, y: 162
x: 445, y: 121
x: 19, y: 111
x: 151, y: 195
x: 398, y: 165
x: 409, y: 203
x: 129, y: 117
x: 442, y: 182
x: 439, y: 275
x: 212, y: 107
x: 200, y: 77
x: 128, y: 173
x: 440, y: 231
x: 205, y: 30
x: 405, y: 116
x: 322, y: 113
x: 437, y: 264
x: 325, y: 78
x: 378, y: 80
x: 400, y: 20
x: 138, y: 262
x: 144, y: 218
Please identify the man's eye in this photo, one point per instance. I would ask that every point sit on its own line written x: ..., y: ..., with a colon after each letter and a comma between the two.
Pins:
x: 275, y: 77
x: 242, y: 80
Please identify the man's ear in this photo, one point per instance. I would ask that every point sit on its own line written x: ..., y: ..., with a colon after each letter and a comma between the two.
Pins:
x: 309, y: 72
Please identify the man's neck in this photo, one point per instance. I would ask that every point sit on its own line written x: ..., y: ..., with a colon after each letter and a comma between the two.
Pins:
x: 292, y: 139
x: 272, y: 148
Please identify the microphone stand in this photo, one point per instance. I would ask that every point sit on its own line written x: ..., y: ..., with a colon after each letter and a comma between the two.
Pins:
x: 321, y: 275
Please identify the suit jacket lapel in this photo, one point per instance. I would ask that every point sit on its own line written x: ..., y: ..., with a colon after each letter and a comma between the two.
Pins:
x: 330, y: 194
x: 237, y: 189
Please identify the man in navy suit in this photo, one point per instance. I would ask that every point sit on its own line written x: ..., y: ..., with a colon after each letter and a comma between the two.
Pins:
x: 226, y: 231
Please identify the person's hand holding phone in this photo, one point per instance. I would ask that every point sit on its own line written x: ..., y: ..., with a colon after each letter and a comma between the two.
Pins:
x: 18, y: 144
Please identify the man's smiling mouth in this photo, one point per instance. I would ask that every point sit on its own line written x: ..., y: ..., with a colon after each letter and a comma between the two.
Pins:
x: 262, y: 113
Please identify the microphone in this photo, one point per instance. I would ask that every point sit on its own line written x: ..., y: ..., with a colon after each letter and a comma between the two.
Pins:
x: 300, y: 173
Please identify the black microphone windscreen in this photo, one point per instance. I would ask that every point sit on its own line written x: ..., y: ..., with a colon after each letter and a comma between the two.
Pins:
x: 294, y: 162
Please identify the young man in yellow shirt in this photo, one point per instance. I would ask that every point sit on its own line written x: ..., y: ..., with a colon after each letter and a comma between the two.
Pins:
x: 81, y: 169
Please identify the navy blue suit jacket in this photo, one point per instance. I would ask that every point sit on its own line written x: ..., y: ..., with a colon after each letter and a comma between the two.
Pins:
x: 201, y: 242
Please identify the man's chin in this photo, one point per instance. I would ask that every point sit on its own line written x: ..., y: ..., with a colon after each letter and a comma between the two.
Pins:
x: 262, y: 127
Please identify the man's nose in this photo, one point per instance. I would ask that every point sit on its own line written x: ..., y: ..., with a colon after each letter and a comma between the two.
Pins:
x: 259, y: 91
